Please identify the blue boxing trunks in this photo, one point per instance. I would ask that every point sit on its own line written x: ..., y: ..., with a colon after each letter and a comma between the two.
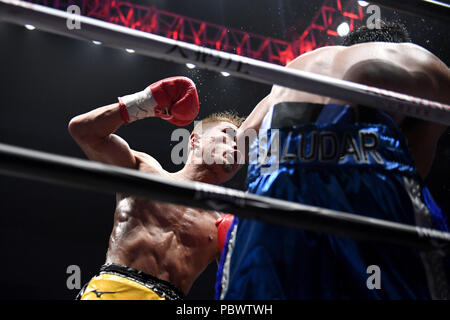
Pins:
x: 347, y: 159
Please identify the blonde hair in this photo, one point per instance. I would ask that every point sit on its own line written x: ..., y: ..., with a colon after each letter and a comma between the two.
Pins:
x: 226, y: 116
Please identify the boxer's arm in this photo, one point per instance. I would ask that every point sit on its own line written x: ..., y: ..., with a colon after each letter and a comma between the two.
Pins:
x: 423, y: 136
x: 254, y: 120
x: 173, y: 99
x: 250, y: 127
x: 93, y: 132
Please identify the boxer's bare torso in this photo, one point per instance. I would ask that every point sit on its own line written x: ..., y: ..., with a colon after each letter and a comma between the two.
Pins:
x: 405, y: 68
x: 172, y: 243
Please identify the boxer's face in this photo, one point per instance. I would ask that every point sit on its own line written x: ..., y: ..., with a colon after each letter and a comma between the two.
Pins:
x: 217, y: 143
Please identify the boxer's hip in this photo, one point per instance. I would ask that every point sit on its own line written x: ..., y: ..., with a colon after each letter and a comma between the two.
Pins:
x: 116, y: 282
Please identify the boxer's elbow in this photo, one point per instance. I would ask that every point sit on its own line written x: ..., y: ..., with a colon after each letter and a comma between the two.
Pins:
x: 76, y: 127
x: 80, y: 129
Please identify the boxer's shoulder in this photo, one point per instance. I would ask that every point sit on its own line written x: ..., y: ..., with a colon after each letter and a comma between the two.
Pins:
x: 148, y: 164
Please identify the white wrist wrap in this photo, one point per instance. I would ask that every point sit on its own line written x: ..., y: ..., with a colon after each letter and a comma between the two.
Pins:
x: 139, y: 105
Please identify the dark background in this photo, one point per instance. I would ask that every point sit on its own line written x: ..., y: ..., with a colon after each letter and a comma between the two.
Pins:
x: 45, y: 80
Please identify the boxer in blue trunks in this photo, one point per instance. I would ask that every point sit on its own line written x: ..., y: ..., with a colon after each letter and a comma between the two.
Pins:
x: 342, y: 156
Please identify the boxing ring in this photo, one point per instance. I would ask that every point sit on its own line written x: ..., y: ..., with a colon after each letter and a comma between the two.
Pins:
x: 99, y: 177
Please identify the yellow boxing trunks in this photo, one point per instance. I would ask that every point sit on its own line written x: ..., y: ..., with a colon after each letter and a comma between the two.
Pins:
x: 116, y: 282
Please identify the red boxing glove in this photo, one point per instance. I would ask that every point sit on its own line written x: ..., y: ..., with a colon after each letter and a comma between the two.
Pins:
x: 179, y: 96
x: 173, y: 99
x: 223, y: 224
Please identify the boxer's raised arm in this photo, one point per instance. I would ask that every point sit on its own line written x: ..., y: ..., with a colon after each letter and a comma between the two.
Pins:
x: 173, y: 99
x: 93, y: 132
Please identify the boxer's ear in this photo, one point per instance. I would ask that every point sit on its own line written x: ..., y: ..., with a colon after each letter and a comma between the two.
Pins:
x: 194, y: 140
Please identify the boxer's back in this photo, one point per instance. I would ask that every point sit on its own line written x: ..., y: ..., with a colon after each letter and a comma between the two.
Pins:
x: 403, y: 67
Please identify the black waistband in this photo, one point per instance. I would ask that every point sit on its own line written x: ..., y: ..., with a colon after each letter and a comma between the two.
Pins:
x: 162, y: 288
x: 290, y: 114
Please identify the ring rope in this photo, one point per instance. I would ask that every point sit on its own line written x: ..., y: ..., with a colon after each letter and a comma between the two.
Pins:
x: 95, y: 176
